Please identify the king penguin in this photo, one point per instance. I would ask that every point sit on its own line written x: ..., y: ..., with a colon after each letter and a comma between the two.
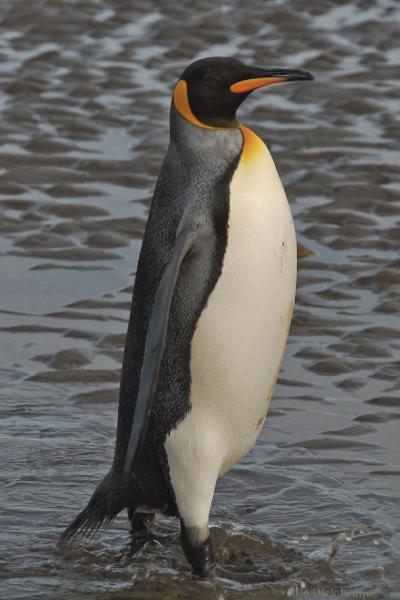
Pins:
x: 211, y: 310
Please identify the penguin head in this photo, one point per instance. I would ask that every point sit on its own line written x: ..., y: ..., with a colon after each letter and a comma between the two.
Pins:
x: 210, y: 90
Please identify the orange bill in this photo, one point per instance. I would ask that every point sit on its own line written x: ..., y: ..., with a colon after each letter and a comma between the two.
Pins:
x: 262, y: 77
x: 248, y: 85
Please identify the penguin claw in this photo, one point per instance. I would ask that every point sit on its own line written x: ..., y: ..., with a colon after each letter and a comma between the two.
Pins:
x: 140, y: 524
x: 200, y: 557
x: 205, y: 563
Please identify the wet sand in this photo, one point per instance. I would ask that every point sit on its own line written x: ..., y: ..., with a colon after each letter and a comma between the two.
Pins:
x: 85, y: 94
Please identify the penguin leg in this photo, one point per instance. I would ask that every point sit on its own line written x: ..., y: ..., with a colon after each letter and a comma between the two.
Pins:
x: 140, y: 522
x: 193, y: 471
x: 197, y: 546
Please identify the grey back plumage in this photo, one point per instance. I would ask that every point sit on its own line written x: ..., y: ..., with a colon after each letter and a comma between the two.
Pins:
x: 193, y: 188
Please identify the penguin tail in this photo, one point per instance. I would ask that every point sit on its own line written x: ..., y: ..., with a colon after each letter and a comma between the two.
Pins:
x: 105, y: 503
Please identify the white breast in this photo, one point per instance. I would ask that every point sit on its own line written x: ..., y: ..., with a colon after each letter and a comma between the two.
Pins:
x: 241, y: 335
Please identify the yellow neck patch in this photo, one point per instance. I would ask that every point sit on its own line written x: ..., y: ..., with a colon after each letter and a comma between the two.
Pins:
x: 252, y: 144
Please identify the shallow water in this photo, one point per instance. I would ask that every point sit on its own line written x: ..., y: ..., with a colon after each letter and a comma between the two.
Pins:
x: 84, y: 99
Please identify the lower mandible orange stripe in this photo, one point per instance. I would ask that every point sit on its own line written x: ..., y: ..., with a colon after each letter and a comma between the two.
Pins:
x: 247, y: 85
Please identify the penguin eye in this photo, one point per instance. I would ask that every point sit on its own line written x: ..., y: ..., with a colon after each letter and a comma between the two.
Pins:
x: 213, y: 83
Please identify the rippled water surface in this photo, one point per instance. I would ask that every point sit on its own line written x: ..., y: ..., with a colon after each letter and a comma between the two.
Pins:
x: 84, y: 99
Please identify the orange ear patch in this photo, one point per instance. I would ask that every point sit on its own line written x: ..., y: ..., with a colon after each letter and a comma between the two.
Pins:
x: 247, y: 85
x: 181, y: 102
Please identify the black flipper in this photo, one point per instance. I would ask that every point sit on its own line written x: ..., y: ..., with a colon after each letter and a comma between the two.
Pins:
x: 155, y: 344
